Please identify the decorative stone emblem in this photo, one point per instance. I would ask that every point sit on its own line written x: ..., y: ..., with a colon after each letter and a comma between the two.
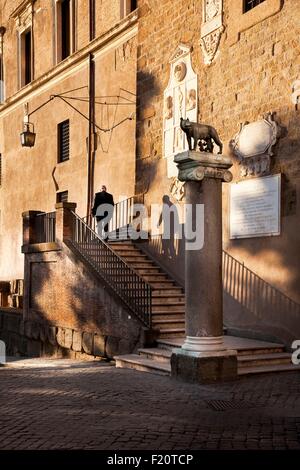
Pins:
x: 211, y: 29
x: 180, y: 101
x: 177, y: 189
x: 180, y: 71
x: 253, y: 145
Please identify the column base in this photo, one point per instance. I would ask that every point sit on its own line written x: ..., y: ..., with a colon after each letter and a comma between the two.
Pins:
x: 204, y: 367
x: 203, y: 343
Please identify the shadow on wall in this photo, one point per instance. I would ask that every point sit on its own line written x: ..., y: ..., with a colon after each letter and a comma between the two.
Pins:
x: 167, y: 247
x: 253, y: 304
x: 147, y: 153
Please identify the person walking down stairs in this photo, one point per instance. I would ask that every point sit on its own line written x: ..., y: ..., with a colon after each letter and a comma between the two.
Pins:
x: 103, y: 210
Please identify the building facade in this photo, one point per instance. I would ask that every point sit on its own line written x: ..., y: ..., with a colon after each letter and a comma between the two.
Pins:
x: 133, y: 69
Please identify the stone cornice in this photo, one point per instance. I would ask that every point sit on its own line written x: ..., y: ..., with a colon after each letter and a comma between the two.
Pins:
x: 23, y: 5
x: 126, y: 26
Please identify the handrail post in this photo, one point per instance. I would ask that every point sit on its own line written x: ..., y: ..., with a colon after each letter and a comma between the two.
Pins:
x: 30, y: 233
x: 64, y: 220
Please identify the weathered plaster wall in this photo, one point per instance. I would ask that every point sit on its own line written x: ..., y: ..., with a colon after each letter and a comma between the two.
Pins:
x: 32, y: 177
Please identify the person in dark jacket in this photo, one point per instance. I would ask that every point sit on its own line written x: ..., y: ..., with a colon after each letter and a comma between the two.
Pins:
x: 103, y: 209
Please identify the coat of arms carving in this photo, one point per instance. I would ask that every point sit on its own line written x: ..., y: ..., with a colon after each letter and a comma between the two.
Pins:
x: 211, y: 29
x: 253, y: 145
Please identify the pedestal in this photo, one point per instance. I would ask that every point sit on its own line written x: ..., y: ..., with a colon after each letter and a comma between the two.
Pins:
x: 203, y: 356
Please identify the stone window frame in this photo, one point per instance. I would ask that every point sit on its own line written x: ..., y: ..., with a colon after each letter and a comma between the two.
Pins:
x: 57, y: 33
x: 2, y: 82
x: 23, y: 17
x: 125, y: 8
x: 240, y: 21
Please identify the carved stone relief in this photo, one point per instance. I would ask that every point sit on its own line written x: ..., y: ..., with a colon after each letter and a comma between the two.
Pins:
x: 211, y: 29
x: 253, y: 145
x: 180, y: 100
x: 177, y: 189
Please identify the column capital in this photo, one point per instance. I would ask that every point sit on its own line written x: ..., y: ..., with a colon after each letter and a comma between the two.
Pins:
x: 195, y: 166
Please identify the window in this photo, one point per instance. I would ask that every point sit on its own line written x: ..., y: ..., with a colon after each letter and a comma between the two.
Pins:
x: 25, y: 57
x: 249, y: 4
x: 1, y: 80
x: 65, y: 29
x: 63, y: 141
x: 62, y: 197
x: 127, y: 7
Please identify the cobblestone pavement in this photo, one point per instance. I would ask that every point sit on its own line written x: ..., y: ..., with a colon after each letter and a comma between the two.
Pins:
x: 87, y: 405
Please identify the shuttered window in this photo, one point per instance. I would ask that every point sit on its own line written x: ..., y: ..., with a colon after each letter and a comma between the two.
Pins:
x: 62, y: 197
x: 249, y: 4
x: 63, y: 134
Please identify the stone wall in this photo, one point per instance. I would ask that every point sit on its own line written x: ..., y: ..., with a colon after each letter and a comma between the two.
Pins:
x: 252, y: 74
x: 42, y: 339
x: 65, y: 293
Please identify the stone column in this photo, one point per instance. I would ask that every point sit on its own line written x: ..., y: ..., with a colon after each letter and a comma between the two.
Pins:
x: 203, y: 356
x: 64, y: 220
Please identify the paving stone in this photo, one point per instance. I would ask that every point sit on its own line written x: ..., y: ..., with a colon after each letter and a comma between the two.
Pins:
x: 68, y: 404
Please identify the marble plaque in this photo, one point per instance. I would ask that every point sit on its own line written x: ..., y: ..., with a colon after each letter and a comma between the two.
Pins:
x: 254, y: 209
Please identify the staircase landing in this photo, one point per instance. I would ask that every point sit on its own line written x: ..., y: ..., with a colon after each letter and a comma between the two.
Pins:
x: 253, y: 356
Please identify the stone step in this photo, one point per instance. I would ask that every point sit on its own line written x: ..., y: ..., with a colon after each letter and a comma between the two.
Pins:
x: 149, y: 270
x: 118, y: 246
x: 135, y: 258
x: 137, y: 362
x: 128, y: 254
x: 172, y: 333
x: 170, y: 300
x: 162, y: 283
x: 162, y: 309
x: 169, y: 293
x: 155, y: 277
x: 253, y: 360
x: 275, y: 368
x: 177, y: 316
x: 261, y: 350
x: 163, y: 324
x: 142, y: 264
x: 156, y: 354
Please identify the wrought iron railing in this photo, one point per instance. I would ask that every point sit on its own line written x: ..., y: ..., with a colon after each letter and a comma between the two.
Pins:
x: 123, y: 215
x: 44, y: 227
x: 128, y: 285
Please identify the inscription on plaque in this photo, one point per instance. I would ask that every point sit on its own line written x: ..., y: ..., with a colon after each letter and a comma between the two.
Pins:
x: 255, y: 208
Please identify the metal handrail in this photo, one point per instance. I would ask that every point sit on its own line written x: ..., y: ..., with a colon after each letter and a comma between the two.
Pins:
x: 45, y: 224
x: 125, y: 281
x: 122, y: 214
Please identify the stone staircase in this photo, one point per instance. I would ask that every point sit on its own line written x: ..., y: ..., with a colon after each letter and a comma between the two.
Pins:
x: 168, y: 300
x: 253, y: 356
x: 168, y: 317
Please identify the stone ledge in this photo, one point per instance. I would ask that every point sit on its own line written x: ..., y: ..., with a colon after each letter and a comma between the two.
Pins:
x: 40, y: 247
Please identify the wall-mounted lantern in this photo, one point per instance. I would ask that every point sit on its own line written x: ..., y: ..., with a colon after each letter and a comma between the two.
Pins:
x: 28, y: 135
